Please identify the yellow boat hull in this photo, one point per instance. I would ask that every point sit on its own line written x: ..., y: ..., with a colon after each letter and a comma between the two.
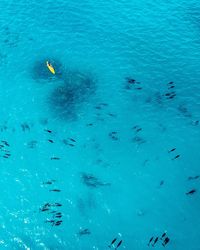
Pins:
x: 51, y: 68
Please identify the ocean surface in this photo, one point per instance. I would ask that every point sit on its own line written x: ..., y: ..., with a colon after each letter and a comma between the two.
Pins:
x: 108, y: 147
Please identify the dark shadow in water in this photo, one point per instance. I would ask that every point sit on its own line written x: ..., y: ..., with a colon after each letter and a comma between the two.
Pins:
x: 138, y: 140
x: 85, y: 231
x: 9, y: 38
x: 92, y: 181
x: 184, y: 110
x: 66, y: 100
x: 40, y: 72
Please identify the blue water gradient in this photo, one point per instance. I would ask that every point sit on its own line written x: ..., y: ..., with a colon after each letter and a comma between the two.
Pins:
x: 104, y: 167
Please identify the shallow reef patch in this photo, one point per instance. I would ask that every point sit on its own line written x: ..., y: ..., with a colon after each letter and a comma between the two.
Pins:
x: 66, y: 100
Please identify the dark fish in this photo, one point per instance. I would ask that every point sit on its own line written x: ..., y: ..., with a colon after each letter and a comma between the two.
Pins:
x: 113, y: 241
x: 172, y: 96
x: 25, y: 127
x: 51, y: 141
x: 196, y: 123
x: 156, y: 239
x: 48, y: 183
x: 89, y: 124
x: 5, y: 143
x: 47, y: 205
x: 166, y: 241
x: 55, y: 190
x: 150, y: 240
x: 130, y: 80
x: 161, y: 183
x: 171, y: 87
x: 177, y: 156
x: 44, y: 209
x: 55, y: 158
x: 113, y: 133
x: 171, y: 150
x: 112, y: 115
x: 57, y: 223
x: 163, y: 235
x: 47, y: 130
x: 191, y: 192
x: 97, y: 107
x: 194, y: 177
x: 71, y: 145
x: 71, y: 139
x: 139, y: 88
x: 84, y: 232
x: 170, y: 82
x: 58, y: 216
x: 115, y: 138
x: 58, y: 205
x: 119, y: 244
x: 5, y: 156
x: 170, y: 93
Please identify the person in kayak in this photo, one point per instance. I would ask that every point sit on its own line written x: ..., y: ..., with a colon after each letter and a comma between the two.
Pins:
x: 51, y: 68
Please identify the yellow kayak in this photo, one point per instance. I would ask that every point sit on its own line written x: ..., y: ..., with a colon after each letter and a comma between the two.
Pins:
x: 51, y: 68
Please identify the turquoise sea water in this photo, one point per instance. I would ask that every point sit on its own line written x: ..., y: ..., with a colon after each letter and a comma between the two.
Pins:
x: 90, y: 146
